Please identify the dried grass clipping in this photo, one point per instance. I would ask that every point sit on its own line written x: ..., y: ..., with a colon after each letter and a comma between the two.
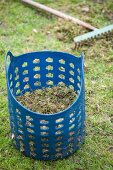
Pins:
x: 48, y: 100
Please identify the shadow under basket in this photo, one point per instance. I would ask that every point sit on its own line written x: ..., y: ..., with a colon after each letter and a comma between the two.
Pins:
x: 45, y: 136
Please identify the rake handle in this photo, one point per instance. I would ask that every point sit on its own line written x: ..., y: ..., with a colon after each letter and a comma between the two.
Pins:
x: 59, y: 14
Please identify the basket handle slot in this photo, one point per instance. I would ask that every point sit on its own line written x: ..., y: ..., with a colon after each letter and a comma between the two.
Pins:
x: 8, y: 59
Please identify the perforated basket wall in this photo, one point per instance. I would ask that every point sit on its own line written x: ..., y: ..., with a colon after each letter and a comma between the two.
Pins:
x: 44, y: 136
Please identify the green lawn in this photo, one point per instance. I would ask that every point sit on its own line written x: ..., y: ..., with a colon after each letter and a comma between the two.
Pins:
x: 23, y: 29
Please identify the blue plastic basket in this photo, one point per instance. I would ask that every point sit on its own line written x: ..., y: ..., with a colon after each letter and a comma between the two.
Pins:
x: 45, y: 136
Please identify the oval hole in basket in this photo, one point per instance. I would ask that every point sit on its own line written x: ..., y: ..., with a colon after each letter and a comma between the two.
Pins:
x: 71, y: 65
x: 59, y: 120
x: 58, y: 149
x: 49, y: 75
x: 79, y: 138
x: 49, y: 59
x: 72, y: 120
x: 26, y: 86
x: 71, y: 80
x: 20, y: 120
x: 21, y: 143
x: 31, y: 143
x: 49, y: 82
x: 44, y: 139
x: 78, y: 77
x: 30, y: 130
x: 37, y: 83
x: 44, y: 127
x: 58, y: 155
x: 78, y: 70
x: 71, y: 144
x: 71, y: 87
x: 16, y: 70
x: 79, y: 112
x: 18, y: 117
x: 70, y: 139
x: 45, y: 155
x: 37, y: 76
x: 29, y: 118
x: 62, y: 69
x: 71, y: 133
x: 78, y: 91
x: 26, y: 79
x: 78, y: 84
x: 61, y: 76
x: 36, y: 68
x: 17, y: 77
x: 58, y: 132
x: 49, y: 67
x: 11, y: 90
x: 44, y: 133
x: 10, y: 77
x: 58, y: 144
x: 31, y: 136
x: 18, y: 92
x: 20, y: 137
x: 12, y: 125
x: 79, y: 118
x: 45, y: 145
x: 59, y: 137
x: 45, y: 150
x: 35, y: 61
x: 28, y: 123
x: 71, y: 72
x: 32, y: 148
x: 18, y: 84
x: 11, y: 83
x: 25, y: 72
x: 79, y: 124
x: 72, y: 114
x: 72, y: 126
x: 8, y: 60
x: 22, y: 147
x: 59, y: 126
x: 70, y: 149
x: 19, y: 124
x: 61, y: 83
x: 24, y: 64
x: 20, y: 130
x: 32, y: 154
x: 44, y: 122
x: 17, y: 111
x: 61, y: 61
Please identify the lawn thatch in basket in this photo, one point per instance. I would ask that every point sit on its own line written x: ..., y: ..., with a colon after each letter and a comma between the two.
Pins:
x: 48, y: 100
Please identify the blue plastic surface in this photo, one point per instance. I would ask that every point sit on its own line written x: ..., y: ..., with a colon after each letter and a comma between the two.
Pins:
x: 46, y: 136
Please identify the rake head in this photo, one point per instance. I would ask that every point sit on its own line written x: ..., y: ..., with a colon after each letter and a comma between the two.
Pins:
x: 93, y: 34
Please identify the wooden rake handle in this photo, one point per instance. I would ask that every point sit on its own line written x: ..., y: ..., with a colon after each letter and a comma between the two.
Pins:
x: 59, y: 14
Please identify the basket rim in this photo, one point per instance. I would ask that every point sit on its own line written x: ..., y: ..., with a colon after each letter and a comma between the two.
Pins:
x: 51, y: 114
x: 53, y: 51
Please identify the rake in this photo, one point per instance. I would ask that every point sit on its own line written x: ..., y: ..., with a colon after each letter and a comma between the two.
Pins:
x: 94, y: 33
